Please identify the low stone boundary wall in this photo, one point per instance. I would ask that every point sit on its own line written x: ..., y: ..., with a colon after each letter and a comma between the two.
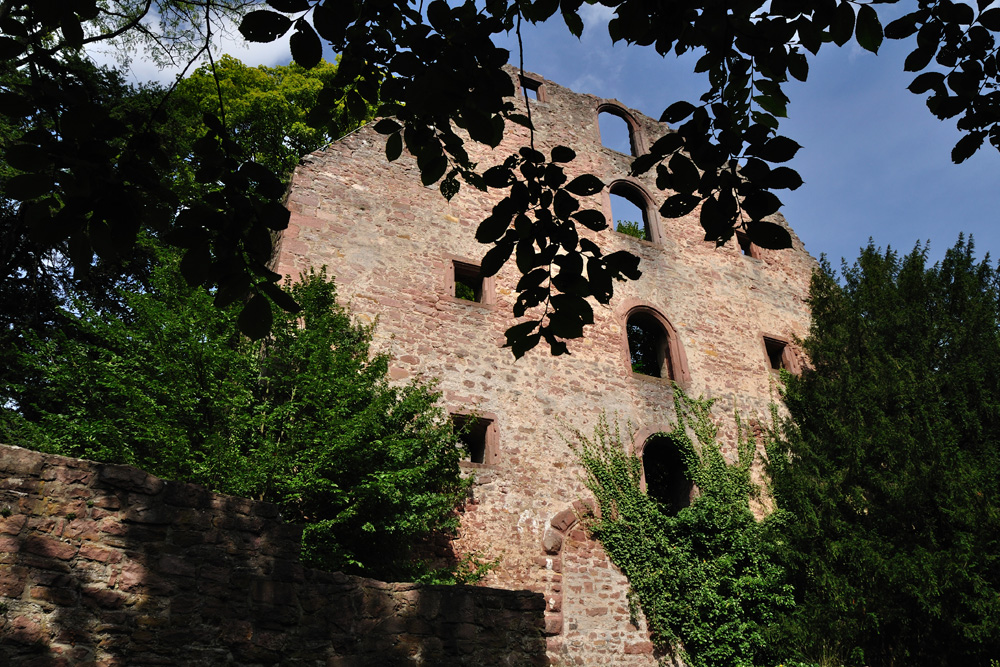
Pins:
x: 107, y: 565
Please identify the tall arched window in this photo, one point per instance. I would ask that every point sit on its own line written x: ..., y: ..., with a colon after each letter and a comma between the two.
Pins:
x: 619, y: 131
x: 665, y: 473
x: 631, y: 211
x: 653, y: 347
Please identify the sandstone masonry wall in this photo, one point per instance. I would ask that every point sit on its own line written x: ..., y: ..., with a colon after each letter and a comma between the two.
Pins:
x: 391, y: 245
x: 105, y: 565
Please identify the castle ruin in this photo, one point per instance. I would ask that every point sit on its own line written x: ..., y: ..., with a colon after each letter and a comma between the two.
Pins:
x: 718, y: 321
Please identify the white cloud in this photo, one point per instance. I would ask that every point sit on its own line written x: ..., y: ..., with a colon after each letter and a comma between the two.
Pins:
x: 595, y: 16
x: 140, y: 67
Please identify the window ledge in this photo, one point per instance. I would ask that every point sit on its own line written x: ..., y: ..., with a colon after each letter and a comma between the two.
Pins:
x: 645, y: 242
x: 466, y: 302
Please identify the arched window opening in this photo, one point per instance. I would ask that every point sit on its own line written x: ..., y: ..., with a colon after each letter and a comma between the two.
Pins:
x: 629, y: 211
x: 617, y: 133
x: 648, y: 345
x: 666, y: 474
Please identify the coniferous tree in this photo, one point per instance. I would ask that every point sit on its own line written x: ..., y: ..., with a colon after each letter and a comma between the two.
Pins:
x: 891, y: 471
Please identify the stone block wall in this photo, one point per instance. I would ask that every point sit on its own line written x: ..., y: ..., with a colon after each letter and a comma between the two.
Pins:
x: 104, y: 565
x: 392, y: 245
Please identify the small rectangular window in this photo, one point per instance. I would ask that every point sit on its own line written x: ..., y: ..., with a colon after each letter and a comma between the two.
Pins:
x: 747, y: 247
x: 775, y: 354
x: 531, y: 89
x: 477, y: 437
x: 468, y: 282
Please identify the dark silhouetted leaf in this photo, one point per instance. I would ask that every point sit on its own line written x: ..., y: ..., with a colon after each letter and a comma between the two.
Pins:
x: 679, y: 205
x: 967, y: 146
x: 574, y: 23
x: 869, y: 30
x: 263, y: 25
x: 784, y: 178
x: 927, y: 81
x: 769, y: 235
x: 902, y: 27
x: 393, y: 146
x: 289, y: 6
x: 591, y: 219
x: 280, y: 297
x: 387, y: 126
x: 990, y: 19
x: 761, y: 204
x: 585, y: 185
x: 677, y: 112
x: 563, y: 154
x: 843, y: 23
x: 255, y: 318
x: 495, y: 258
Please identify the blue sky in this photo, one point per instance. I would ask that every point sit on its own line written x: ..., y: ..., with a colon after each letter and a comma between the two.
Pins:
x: 875, y: 162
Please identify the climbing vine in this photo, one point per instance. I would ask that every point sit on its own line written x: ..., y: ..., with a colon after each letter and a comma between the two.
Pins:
x: 705, y: 577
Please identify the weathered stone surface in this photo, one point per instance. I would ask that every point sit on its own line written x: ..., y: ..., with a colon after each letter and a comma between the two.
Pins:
x: 392, y: 245
x: 113, y: 591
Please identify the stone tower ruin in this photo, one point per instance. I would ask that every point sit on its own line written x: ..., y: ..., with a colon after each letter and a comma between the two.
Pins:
x: 718, y: 321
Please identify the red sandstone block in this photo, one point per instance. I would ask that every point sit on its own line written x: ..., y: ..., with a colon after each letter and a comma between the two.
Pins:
x: 12, y: 525
x: 46, y: 546
x: 129, y: 478
x: 639, y: 648
x: 102, y: 597
x: 63, y: 597
x: 95, y: 553
x: 597, y: 611
x: 17, y: 461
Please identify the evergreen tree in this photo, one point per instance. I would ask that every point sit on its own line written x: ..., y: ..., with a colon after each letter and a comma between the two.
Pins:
x: 891, y: 472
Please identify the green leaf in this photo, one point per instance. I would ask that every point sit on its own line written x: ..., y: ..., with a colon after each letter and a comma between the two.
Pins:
x: 263, y: 25
x: 869, y: 29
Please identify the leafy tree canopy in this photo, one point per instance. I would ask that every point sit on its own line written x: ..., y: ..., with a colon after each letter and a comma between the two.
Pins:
x: 435, y: 71
x: 890, y: 469
x: 309, y: 421
x: 267, y: 109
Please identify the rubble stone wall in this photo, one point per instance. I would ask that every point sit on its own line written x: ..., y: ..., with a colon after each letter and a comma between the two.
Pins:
x: 391, y: 244
x: 105, y: 565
